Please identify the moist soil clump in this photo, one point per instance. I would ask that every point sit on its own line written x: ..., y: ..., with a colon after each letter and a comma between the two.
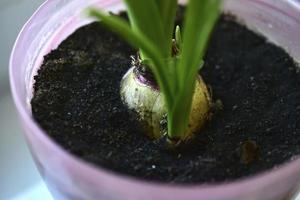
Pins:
x: 76, y: 101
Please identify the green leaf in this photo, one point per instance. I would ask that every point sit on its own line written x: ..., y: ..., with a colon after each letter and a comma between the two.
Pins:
x: 168, y: 10
x: 178, y: 117
x: 145, y: 17
x: 139, y: 40
x: 199, y: 22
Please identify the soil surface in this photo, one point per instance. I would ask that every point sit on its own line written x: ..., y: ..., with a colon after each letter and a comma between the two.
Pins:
x: 77, y: 102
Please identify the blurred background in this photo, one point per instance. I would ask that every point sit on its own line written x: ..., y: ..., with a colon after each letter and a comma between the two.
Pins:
x: 19, y: 179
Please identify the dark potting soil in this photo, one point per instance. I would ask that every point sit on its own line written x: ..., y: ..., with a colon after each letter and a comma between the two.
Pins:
x: 77, y: 102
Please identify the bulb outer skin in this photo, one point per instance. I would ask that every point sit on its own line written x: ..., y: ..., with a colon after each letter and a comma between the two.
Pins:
x: 147, y: 102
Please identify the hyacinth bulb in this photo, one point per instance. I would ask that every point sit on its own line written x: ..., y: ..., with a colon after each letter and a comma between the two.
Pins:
x: 147, y: 102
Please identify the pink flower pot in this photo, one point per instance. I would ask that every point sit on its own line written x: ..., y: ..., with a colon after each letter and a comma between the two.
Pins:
x: 69, y: 177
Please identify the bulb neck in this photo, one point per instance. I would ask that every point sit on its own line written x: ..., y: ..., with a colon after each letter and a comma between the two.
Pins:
x: 143, y: 73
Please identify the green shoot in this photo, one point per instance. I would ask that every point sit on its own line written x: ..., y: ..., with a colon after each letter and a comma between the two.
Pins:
x: 151, y: 30
x: 178, y: 37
